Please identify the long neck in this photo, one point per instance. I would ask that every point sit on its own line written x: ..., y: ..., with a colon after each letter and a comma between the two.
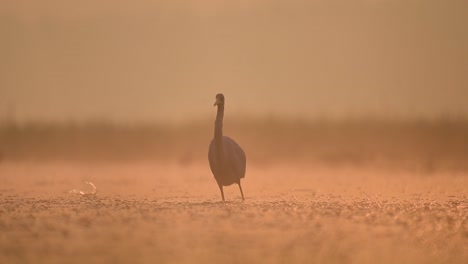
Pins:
x: 218, y: 134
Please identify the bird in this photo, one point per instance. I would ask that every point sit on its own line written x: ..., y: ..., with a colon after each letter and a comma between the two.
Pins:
x: 227, y: 159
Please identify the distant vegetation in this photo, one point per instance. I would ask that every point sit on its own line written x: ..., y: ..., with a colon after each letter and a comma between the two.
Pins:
x: 428, y: 145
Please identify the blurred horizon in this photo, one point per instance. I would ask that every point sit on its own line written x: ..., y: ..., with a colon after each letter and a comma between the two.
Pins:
x: 424, y: 146
x: 164, y: 61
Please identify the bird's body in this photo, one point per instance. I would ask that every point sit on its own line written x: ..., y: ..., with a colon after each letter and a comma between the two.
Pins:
x: 226, y: 157
x: 231, y: 168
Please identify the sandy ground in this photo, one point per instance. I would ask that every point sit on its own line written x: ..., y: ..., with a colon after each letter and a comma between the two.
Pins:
x: 167, y: 213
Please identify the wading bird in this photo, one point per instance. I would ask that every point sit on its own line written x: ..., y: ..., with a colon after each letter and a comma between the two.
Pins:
x: 227, y: 159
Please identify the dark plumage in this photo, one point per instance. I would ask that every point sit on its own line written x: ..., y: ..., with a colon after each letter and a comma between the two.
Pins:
x: 227, y: 159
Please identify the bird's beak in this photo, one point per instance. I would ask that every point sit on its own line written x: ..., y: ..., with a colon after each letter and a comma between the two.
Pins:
x: 216, y: 102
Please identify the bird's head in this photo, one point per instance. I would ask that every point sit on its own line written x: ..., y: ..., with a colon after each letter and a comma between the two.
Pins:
x: 219, y: 100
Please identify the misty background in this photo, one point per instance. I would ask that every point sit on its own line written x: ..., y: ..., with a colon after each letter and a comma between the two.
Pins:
x: 161, y: 61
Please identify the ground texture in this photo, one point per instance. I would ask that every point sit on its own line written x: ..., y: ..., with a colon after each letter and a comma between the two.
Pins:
x: 171, y: 213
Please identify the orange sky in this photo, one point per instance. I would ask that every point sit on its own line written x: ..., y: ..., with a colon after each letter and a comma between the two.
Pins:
x: 166, y: 60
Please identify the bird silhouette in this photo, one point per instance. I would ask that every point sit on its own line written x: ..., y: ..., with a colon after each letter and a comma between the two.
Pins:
x: 226, y: 157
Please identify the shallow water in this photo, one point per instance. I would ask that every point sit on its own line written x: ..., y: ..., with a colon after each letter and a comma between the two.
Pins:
x: 166, y: 213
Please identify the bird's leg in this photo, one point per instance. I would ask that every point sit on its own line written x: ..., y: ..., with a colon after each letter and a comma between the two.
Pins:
x: 242, y: 193
x: 222, y: 192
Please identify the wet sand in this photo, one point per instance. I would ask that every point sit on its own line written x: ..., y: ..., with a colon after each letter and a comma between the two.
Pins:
x: 148, y: 212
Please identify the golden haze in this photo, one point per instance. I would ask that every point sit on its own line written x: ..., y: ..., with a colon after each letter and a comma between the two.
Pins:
x: 352, y: 114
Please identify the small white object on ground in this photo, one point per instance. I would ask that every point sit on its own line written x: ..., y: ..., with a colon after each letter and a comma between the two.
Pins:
x: 93, y: 192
